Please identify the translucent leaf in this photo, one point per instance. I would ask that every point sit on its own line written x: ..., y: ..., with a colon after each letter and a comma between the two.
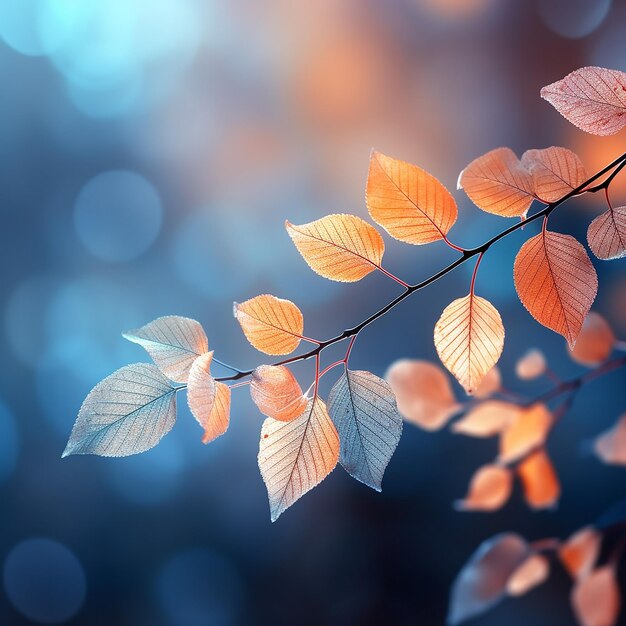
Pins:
x: 469, y: 338
x: 555, y: 171
x: 580, y: 552
x: 339, y: 247
x: 126, y: 413
x: 595, y: 342
x: 296, y: 456
x: 556, y: 282
x: 489, y: 490
x: 173, y: 343
x: 272, y: 325
x: 596, y: 599
x: 526, y: 432
x: 482, y: 582
x: 531, y: 365
x: 606, y: 235
x: 531, y: 573
x: 498, y: 183
x: 490, y: 384
x: 423, y: 393
x: 610, y: 446
x: 592, y: 98
x: 276, y: 392
x: 363, y: 409
x: 487, y: 419
x: 409, y: 203
x: 539, y: 480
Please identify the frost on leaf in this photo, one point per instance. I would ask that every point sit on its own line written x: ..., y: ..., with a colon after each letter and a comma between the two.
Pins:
x: 595, y: 342
x: 363, y: 409
x: 606, y: 235
x: 527, y: 431
x: 610, y: 446
x: 487, y: 419
x: 540, y: 482
x: 126, y: 413
x: 489, y: 489
x: 276, y: 392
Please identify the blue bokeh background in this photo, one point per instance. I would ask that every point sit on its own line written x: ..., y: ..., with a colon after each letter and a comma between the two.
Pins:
x: 150, y: 152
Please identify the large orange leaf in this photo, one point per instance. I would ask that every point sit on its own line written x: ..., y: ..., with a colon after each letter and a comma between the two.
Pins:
x: 610, y: 446
x: 296, y: 456
x: 595, y: 342
x: 409, y: 203
x: 580, y: 552
x: 596, y: 599
x: 527, y: 431
x: 556, y: 282
x: 607, y: 234
x: 272, y: 325
x: 276, y: 392
x: 487, y: 419
x: 532, y: 572
x: 592, y: 98
x: 555, y: 171
x: 344, y: 248
x: 469, y: 338
x: 498, y: 183
x: 489, y: 489
x: 539, y: 480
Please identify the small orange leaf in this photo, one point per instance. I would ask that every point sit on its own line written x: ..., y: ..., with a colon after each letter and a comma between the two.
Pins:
x: 469, y: 338
x: 539, y: 480
x: 423, y: 393
x: 580, y: 552
x: 532, y: 572
x: 489, y: 489
x: 498, y: 183
x: 487, y: 419
x: 555, y: 171
x: 344, y: 248
x: 596, y: 600
x: 595, y: 342
x: 610, y: 446
x: 276, y: 392
x: 606, y: 235
x: 526, y: 432
x: 272, y: 325
x: 409, y: 203
x: 556, y: 282
x: 489, y: 384
x: 531, y: 365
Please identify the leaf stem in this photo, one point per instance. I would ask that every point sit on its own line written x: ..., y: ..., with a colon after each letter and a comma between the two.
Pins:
x: 392, y: 276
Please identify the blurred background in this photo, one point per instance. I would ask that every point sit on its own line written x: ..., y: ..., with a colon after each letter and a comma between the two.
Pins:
x: 150, y: 152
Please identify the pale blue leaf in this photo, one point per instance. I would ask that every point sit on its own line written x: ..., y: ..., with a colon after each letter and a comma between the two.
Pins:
x: 126, y: 413
x: 363, y: 408
x: 173, y: 343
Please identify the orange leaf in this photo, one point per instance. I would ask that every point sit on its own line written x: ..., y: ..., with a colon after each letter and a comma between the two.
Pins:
x: 580, y: 552
x: 555, y: 171
x: 541, y: 484
x: 606, y: 235
x: 272, y: 325
x: 595, y: 342
x: 489, y: 489
x: 531, y: 365
x: 596, y: 599
x: 487, y: 419
x: 489, y: 384
x: 339, y: 247
x: 423, y: 393
x: 532, y: 572
x: 469, y: 338
x: 498, y: 183
x: 409, y: 203
x: 610, y: 446
x: 528, y: 430
x: 276, y: 392
x: 556, y: 282
x: 592, y: 98
x: 296, y: 456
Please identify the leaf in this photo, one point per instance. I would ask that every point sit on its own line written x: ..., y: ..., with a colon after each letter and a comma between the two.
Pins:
x: 482, y: 582
x: 272, y: 325
x: 363, y: 409
x: 595, y: 342
x: 610, y: 446
x: 487, y: 419
x: 591, y: 98
x: 606, y: 235
x: 344, y: 248
x: 580, y: 552
x: 490, y: 384
x: 208, y: 400
x: 296, y: 456
x: 173, y: 343
x: 423, y: 393
x: 556, y: 282
x: 539, y: 480
x: 276, y: 392
x: 409, y: 203
x: 126, y: 413
x: 489, y: 490
x: 596, y: 599
x: 469, y: 338
x: 556, y: 172
x: 498, y: 183
x: 531, y: 365
x: 532, y: 572
x: 527, y: 431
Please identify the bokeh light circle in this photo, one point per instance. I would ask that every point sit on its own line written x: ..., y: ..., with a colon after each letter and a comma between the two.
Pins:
x: 19, y: 27
x: 573, y: 18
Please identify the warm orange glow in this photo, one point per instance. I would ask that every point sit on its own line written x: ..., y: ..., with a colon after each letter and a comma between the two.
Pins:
x: 532, y: 572
x: 276, y: 392
x: 542, y: 488
x: 580, y: 552
x: 489, y: 489
x: 595, y: 342
x: 487, y: 419
x: 527, y: 431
